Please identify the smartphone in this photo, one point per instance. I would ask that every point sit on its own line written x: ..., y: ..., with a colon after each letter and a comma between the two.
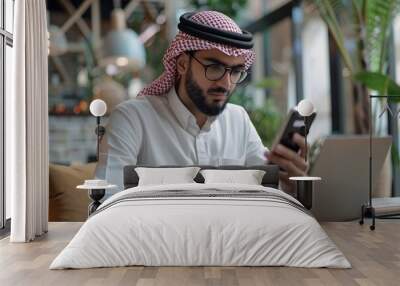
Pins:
x: 294, y: 123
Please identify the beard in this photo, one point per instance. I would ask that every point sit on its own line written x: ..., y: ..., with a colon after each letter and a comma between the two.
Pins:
x: 199, y: 99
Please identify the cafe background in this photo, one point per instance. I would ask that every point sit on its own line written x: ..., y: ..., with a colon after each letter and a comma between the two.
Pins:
x: 115, y: 48
x: 111, y: 49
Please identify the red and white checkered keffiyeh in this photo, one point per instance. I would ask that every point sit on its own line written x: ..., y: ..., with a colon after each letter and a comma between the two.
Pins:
x: 185, y: 42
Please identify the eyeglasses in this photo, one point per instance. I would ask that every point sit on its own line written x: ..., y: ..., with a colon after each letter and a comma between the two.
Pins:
x: 215, y: 72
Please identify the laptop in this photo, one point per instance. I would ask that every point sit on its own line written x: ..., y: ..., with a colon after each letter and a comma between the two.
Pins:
x: 343, y: 165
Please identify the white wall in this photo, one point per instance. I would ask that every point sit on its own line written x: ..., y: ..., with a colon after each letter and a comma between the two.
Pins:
x: 316, y: 75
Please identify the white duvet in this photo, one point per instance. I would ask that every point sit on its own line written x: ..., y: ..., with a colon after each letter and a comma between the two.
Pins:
x: 182, y: 231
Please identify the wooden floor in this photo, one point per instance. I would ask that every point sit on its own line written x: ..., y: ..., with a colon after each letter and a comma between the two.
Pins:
x: 374, y: 255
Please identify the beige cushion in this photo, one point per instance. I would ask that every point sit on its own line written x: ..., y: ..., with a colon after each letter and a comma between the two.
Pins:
x: 165, y: 176
x: 66, y: 203
x: 248, y: 177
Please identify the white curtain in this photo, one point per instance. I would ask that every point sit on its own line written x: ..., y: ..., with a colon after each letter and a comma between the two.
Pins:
x: 27, y: 124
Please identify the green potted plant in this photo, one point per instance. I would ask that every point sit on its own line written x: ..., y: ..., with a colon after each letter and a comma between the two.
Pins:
x: 266, y: 117
x: 369, y: 23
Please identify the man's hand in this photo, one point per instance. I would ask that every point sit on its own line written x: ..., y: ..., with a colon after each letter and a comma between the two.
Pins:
x: 292, y: 163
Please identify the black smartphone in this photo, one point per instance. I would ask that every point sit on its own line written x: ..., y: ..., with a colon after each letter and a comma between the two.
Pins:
x: 294, y: 123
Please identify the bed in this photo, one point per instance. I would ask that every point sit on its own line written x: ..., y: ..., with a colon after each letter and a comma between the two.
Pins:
x: 201, y: 224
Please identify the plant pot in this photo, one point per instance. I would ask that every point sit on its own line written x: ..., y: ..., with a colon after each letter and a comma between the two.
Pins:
x: 383, y: 186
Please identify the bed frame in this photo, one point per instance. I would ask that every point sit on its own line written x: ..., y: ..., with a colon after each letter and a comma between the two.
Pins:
x: 270, y: 179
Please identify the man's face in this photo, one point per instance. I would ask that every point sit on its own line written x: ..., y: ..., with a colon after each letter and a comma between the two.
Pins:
x: 211, y: 96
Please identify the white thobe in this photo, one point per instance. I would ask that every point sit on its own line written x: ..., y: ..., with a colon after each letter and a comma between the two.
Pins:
x: 160, y: 130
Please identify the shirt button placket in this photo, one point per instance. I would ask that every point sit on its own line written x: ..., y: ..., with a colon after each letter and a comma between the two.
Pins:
x: 201, y: 150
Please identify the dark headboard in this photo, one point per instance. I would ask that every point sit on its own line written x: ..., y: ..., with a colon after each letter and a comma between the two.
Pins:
x: 270, y: 179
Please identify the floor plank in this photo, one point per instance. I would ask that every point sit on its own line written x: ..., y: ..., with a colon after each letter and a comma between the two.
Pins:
x: 374, y: 255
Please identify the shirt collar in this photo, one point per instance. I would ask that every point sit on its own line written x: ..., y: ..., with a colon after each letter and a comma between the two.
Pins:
x: 185, y: 118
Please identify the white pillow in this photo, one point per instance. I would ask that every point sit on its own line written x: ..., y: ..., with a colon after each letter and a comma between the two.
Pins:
x: 248, y: 177
x: 162, y: 176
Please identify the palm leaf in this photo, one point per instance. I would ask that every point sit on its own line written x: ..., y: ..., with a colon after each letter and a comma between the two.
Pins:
x: 379, y: 82
x: 379, y: 17
x: 371, y: 24
x: 328, y: 12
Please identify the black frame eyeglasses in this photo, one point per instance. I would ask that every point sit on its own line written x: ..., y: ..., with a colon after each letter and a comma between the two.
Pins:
x: 214, y: 72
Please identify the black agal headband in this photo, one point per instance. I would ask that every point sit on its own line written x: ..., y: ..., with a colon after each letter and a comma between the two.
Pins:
x: 238, y: 40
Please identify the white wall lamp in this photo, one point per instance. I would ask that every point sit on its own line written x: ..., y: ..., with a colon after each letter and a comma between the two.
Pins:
x: 98, y: 108
x: 305, y: 183
x: 305, y: 109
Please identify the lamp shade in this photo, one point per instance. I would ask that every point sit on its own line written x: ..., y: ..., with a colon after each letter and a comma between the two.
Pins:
x: 122, y: 46
x: 305, y: 107
x: 98, y: 107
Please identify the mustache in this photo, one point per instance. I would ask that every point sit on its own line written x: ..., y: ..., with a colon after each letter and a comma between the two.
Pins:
x: 218, y: 90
